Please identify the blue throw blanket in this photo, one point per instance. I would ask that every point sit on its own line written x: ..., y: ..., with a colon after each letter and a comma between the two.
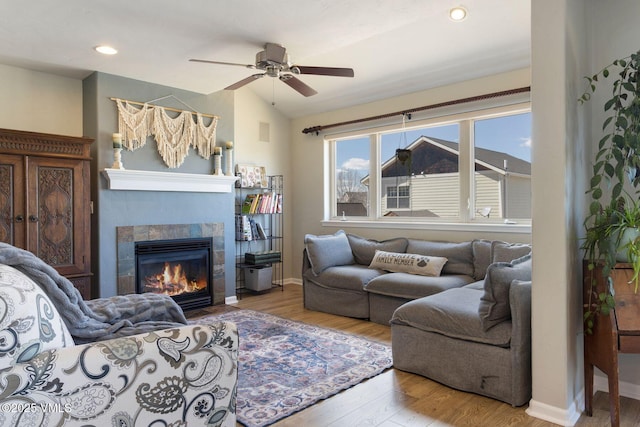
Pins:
x: 98, y: 319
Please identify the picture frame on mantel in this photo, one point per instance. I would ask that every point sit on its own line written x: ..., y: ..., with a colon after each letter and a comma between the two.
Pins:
x: 252, y: 176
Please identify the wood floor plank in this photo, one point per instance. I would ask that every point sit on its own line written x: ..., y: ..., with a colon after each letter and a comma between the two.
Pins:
x: 395, y: 398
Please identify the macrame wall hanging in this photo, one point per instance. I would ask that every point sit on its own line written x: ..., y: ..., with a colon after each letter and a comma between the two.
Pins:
x: 173, y: 135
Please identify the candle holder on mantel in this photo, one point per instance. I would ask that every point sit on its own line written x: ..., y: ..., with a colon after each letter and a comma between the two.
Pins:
x: 117, y: 148
x: 228, y: 158
x: 217, y: 161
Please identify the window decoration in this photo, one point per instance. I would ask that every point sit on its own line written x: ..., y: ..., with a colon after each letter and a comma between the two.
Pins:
x: 174, y: 135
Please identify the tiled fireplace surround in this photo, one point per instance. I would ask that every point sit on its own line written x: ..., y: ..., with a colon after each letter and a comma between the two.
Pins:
x: 127, y: 236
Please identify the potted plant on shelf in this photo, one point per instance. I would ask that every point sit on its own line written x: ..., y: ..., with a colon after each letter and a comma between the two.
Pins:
x: 614, y: 184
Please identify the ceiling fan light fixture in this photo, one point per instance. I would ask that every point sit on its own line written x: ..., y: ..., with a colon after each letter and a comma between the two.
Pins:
x: 106, y: 50
x: 458, y: 13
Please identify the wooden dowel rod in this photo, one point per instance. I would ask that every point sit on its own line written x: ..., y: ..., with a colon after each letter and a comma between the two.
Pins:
x: 166, y: 108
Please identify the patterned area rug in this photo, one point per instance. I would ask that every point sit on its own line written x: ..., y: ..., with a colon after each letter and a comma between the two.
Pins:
x: 286, y: 366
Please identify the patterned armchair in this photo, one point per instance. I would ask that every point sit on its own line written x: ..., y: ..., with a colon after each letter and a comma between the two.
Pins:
x: 171, y: 377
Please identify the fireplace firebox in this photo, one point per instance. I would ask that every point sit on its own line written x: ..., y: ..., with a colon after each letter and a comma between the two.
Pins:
x: 180, y: 268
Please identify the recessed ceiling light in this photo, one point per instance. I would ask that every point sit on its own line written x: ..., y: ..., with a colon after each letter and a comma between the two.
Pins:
x: 106, y: 50
x: 458, y: 13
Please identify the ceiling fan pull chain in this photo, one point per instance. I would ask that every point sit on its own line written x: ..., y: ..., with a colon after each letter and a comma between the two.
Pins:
x: 273, y: 92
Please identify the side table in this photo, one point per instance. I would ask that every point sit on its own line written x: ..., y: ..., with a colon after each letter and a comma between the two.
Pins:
x: 618, y: 332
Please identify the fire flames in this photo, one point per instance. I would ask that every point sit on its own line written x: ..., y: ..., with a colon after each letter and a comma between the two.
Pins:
x: 173, y: 281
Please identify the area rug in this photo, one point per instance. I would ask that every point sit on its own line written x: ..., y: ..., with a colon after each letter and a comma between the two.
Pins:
x: 286, y: 366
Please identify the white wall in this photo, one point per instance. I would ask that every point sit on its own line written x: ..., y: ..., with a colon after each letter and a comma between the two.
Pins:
x: 558, y: 170
x: 40, y: 102
x: 275, y: 155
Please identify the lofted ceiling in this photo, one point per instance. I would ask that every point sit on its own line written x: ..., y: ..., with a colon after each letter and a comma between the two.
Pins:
x: 394, y: 46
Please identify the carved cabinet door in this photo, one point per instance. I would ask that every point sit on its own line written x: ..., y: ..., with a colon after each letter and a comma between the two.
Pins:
x: 56, y: 220
x: 12, y: 207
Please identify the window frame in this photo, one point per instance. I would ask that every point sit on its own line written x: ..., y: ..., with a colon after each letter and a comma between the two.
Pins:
x: 468, y: 219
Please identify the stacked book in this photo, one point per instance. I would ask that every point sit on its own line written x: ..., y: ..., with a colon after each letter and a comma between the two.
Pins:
x: 262, y: 203
x: 248, y: 229
x: 243, y: 228
x: 263, y: 257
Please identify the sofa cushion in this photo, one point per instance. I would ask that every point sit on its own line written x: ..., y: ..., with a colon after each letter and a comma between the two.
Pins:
x: 453, y: 313
x: 328, y: 251
x: 349, y: 277
x: 481, y: 257
x: 459, y: 255
x: 478, y: 285
x: 365, y: 249
x: 494, y: 306
x: 408, y: 263
x: 410, y: 286
x: 29, y: 322
x: 507, y: 252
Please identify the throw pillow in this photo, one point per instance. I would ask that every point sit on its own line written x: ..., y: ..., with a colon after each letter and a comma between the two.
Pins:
x: 328, y: 251
x: 29, y: 322
x: 494, y: 305
x: 459, y: 255
x: 364, y: 249
x: 507, y: 252
x: 408, y: 263
x: 481, y: 257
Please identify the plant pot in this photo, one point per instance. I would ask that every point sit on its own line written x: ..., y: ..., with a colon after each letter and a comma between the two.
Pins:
x: 628, y: 235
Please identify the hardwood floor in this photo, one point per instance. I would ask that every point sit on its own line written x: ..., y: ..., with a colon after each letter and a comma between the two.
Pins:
x: 396, y: 398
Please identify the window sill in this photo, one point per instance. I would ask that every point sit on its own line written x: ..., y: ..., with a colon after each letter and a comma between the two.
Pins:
x: 437, y: 226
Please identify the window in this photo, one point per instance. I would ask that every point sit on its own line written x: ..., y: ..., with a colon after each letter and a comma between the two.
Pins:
x: 398, y: 197
x: 502, y: 178
x: 424, y: 162
x: 351, y: 167
x: 468, y: 167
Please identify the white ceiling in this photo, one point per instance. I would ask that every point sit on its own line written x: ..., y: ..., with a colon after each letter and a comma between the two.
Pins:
x: 394, y: 46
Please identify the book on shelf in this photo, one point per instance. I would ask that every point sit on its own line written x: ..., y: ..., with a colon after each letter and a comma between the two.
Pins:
x: 262, y: 203
x: 261, y: 234
x: 254, y: 229
x: 247, y: 204
x: 243, y: 228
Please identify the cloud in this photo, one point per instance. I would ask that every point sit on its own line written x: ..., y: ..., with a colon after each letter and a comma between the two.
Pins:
x: 355, y: 163
x: 526, y: 142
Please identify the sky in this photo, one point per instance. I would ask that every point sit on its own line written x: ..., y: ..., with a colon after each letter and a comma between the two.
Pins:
x: 511, y: 134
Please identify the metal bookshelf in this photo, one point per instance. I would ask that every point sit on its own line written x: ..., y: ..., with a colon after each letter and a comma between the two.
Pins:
x: 259, y: 232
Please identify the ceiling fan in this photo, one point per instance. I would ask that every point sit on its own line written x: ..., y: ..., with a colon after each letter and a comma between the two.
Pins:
x: 274, y: 61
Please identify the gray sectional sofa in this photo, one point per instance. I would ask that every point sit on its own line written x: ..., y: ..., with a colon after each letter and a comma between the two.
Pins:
x: 466, y: 323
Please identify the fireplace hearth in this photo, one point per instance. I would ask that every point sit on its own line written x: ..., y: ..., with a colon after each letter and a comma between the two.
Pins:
x: 180, y: 268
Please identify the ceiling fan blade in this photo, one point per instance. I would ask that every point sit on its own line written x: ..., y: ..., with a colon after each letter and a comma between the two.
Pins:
x: 245, y: 81
x: 223, y: 63
x: 298, y: 85
x: 325, y: 71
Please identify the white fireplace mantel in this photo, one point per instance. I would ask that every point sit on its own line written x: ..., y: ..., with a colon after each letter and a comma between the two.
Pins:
x: 123, y: 179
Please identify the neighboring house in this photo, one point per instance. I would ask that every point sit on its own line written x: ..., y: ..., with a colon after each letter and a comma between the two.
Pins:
x: 353, y: 203
x: 426, y: 184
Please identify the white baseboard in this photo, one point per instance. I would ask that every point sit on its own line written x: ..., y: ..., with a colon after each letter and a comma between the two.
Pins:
x: 564, y: 417
x: 231, y: 300
x: 601, y: 383
x: 571, y: 415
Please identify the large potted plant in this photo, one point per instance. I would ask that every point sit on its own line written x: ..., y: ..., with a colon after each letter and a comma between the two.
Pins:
x: 614, y: 184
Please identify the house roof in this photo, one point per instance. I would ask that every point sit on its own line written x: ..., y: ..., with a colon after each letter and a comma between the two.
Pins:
x: 434, y: 155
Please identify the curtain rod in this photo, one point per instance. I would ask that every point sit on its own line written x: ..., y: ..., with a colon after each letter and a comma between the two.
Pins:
x: 317, y: 129
x: 166, y: 108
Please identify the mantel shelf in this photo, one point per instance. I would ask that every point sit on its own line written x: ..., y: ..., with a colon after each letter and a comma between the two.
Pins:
x: 122, y: 179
